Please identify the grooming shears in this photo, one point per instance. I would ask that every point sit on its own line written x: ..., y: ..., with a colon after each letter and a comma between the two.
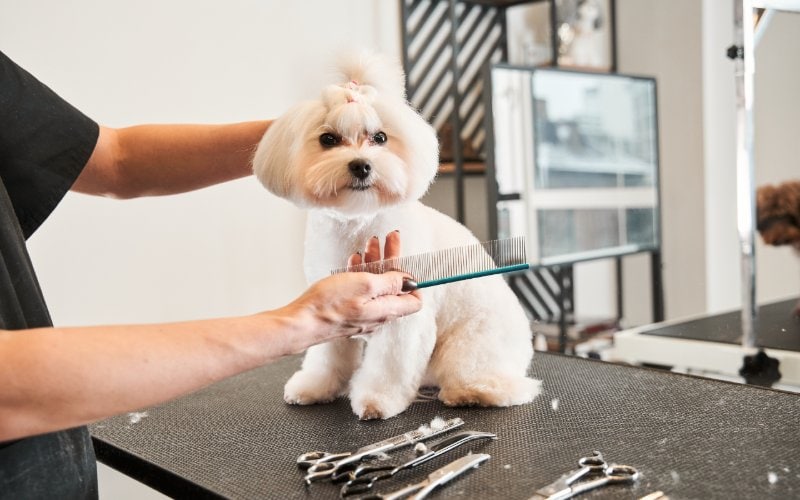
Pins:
x: 322, y: 464
x: 596, y: 469
x: 435, y: 479
x: 364, y: 477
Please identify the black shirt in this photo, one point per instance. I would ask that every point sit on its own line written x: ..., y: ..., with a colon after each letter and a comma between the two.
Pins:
x: 44, y: 145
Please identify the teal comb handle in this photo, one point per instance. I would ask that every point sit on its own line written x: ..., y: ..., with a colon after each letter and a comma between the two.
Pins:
x: 409, y: 285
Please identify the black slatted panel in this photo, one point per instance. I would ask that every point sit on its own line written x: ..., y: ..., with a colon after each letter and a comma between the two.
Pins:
x: 539, y: 291
x: 428, y: 60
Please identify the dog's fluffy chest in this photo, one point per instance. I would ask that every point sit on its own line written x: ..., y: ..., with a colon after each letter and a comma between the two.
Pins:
x: 331, y: 239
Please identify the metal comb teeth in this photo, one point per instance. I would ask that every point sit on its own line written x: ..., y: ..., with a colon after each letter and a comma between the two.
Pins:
x: 453, y: 264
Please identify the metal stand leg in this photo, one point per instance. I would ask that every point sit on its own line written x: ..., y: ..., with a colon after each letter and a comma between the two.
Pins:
x: 745, y: 163
x: 658, y: 286
x: 563, y: 286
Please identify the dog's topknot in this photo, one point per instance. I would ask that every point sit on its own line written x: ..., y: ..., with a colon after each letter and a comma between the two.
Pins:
x: 375, y: 70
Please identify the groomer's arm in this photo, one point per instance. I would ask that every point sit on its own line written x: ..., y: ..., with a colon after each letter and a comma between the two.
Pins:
x: 151, y: 160
x: 56, y: 378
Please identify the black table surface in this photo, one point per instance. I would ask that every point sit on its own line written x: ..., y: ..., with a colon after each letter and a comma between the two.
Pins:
x: 777, y: 327
x: 689, y: 437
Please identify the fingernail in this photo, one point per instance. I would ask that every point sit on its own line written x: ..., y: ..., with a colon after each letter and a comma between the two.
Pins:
x: 396, y: 231
x: 374, y: 237
x: 409, y: 285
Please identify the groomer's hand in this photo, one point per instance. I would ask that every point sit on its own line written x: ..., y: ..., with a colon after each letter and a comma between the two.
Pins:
x: 356, y: 303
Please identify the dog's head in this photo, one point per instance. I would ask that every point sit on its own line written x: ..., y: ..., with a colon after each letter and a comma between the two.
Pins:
x: 357, y: 149
x: 778, y: 213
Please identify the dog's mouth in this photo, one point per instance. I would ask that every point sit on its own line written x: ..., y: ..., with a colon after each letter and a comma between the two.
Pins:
x: 359, y: 185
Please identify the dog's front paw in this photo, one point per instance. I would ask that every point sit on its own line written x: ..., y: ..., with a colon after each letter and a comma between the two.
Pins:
x: 498, y: 391
x: 307, y: 388
x: 378, y: 406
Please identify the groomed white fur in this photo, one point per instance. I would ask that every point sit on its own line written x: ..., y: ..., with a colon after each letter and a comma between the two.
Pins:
x: 472, y: 338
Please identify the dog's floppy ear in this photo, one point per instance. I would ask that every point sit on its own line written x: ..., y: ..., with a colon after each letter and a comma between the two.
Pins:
x: 273, y: 162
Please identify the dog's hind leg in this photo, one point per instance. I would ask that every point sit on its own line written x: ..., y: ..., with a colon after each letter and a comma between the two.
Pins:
x: 478, y: 366
x: 492, y: 389
x: 394, y: 363
x: 326, y: 370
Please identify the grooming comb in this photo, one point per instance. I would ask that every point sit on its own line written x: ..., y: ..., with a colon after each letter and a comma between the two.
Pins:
x: 452, y: 264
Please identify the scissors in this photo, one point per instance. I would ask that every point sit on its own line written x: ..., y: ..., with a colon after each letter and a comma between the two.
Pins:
x: 322, y: 464
x: 364, y: 477
x: 435, y: 479
x: 594, y: 467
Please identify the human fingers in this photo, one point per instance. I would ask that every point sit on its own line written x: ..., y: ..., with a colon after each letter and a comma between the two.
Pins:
x: 390, y: 307
x: 387, y: 300
x: 390, y: 283
x: 391, y: 248
x: 354, y: 260
x: 372, y: 251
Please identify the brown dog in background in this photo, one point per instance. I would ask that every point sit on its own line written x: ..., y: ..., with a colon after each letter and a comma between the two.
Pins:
x: 778, y: 213
x: 778, y: 216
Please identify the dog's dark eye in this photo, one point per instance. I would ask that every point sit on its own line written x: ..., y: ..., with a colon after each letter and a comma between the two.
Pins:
x: 379, y: 138
x: 329, y: 140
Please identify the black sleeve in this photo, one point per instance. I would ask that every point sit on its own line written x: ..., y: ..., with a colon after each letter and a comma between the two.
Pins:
x: 44, y: 144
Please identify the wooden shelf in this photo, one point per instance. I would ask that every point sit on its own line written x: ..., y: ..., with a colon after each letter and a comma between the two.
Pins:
x: 470, y: 168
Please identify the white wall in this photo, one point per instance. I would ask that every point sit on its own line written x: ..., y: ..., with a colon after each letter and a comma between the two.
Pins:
x: 719, y: 125
x: 231, y: 249
x: 662, y: 39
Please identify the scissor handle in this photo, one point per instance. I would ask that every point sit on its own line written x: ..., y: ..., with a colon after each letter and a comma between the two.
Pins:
x: 595, y: 462
x: 622, y: 473
x: 334, y: 467
x: 615, y: 474
x: 362, y: 484
x: 364, y: 469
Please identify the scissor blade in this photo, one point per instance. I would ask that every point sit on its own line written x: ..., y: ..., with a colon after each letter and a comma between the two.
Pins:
x: 410, y: 437
x: 455, y: 469
x: 437, y: 478
x: 450, y: 442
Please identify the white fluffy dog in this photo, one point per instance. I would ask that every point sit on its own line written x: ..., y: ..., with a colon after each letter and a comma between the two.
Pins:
x: 359, y: 159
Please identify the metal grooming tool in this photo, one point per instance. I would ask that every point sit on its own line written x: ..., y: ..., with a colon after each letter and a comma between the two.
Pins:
x: 452, y: 264
x: 322, y: 464
x: 596, y: 470
x: 364, y: 477
x: 435, y: 479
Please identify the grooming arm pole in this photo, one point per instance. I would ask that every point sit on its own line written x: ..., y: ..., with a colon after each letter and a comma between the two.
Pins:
x: 745, y: 165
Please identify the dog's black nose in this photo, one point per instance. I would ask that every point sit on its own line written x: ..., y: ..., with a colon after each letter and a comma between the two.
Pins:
x: 360, y: 169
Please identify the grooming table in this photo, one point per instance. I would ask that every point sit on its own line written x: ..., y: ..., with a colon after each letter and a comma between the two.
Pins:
x: 689, y: 437
x: 711, y: 344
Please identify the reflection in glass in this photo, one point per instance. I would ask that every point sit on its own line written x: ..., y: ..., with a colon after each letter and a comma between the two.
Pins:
x: 592, y: 131
x: 576, y: 162
x: 593, y: 189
